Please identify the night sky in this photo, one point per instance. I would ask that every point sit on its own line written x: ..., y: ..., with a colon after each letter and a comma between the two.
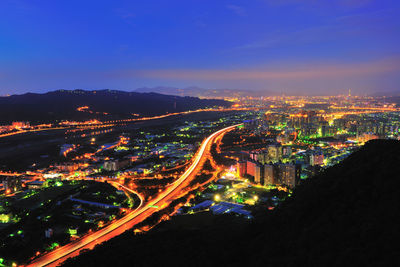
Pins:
x: 285, y: 46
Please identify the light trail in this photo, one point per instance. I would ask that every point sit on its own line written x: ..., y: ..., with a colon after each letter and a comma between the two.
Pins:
x: 99, y: 124
x: 30, y: 131
x: 60, y: 254
x: 10, y: 174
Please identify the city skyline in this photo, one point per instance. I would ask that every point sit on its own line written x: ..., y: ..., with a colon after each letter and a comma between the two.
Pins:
x: 294, y: 47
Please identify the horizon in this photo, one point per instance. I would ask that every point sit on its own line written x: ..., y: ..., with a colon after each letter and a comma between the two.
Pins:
x: 270, y: 94
x: 292, y: 47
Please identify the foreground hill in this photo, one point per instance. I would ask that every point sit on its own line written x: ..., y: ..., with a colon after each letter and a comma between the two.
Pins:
x: 346, y: 216
x: 63, y: 104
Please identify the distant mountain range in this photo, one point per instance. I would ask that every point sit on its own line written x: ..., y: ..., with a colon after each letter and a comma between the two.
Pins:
x: 203, y: 93
x: 63, y: 104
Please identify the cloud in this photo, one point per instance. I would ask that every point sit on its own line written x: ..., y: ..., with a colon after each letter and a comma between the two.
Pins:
x: 336, y: 71
x: 238, y: 10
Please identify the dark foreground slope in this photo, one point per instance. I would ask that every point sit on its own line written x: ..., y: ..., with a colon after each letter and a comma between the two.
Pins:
x: 347, y: 216
x: 63, y: 104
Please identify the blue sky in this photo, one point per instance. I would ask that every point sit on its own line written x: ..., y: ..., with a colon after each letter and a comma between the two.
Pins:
x: 288, y: 46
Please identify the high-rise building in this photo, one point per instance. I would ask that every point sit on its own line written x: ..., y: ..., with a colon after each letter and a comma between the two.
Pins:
x: 287, y: 175
x: 251, y: 167
x: 115, y: 165
x: 316, y: 158
x: 241, y: 168
x: 259, y: 156
x: 273, y: 174
x: 259, y: 174
x: 274, y: 153
x: 269, y: 177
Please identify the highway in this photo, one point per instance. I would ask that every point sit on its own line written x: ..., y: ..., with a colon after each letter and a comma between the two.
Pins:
x: 117, y: 227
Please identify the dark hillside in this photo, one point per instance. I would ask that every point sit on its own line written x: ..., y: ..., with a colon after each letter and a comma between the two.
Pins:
x: 347, y: 215
x: 62, y: 105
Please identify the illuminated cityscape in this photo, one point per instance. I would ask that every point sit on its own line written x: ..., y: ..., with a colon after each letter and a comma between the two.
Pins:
x: 295, y: 166
x: 113, y: 175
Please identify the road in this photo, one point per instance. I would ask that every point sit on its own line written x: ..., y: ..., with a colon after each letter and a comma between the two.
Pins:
x: 119, y: 226
x: 31, y: 131
x: 112, y: 123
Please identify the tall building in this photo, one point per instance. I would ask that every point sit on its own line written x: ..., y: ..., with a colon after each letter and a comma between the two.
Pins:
x: 259, y: 156
x: 251, y: 167
x: 241, y: 168
x: 115, y: 165
x: 274, y: 153
x: 288, y: 175
x: 274, y: 174
x: 316, y: 158
x: 269, y: 174
x: 259, y: 174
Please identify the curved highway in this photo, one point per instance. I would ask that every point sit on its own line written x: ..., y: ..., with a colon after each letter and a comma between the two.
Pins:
x: 72, y: 249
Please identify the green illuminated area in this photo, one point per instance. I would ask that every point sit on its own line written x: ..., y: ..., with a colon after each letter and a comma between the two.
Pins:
x: 43, y: 219
x: 122, y: 148
x: 224, y: 192
x: 52, y: 246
